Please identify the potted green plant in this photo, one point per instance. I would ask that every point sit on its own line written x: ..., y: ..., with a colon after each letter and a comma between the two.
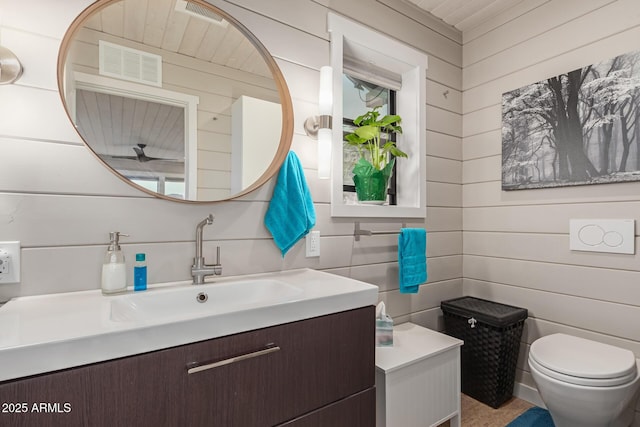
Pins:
x: 374, y: 168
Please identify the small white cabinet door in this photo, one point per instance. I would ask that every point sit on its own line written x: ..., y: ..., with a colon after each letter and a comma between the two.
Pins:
x: 419, y: 385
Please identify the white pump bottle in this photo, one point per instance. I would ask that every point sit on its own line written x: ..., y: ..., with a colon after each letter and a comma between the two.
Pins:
x: 114, y: 272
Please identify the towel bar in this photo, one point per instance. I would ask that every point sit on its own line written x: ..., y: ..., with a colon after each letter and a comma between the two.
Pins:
x: 357, y: 232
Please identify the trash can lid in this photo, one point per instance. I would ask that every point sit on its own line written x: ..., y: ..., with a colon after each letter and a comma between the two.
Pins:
x: 489, y: 312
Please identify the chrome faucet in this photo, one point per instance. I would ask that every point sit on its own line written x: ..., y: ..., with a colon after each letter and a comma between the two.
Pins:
x: 200, y: 269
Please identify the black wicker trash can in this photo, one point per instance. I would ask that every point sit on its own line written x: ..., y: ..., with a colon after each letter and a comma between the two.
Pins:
x: 491, y: 333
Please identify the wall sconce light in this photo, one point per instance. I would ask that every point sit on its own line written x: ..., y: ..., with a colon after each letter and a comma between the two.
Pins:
x: 320, y: 126
x: 10, y: 67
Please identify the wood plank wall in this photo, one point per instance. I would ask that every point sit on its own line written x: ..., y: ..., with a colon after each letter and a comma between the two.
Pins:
x: 61, y: 203
x: 516, y: 244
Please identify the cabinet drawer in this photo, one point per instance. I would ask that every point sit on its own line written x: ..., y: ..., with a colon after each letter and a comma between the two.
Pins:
x: 258, y: 378
x: 355, y: 411
x: 144, y: 390
x: 266, y: 377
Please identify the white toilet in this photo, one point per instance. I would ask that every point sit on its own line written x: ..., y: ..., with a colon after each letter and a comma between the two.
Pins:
x: 585, y: 383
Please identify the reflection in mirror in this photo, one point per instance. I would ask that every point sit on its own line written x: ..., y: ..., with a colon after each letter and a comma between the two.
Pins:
x: 176, y: 97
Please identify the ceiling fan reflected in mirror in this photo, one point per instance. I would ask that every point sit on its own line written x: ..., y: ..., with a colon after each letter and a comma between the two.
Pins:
x: 142, y: 157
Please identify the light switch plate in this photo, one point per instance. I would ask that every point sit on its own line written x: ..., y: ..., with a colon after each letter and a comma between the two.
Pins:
x: 602, y: 235
x: 9, y: 262
x: 313, y: 244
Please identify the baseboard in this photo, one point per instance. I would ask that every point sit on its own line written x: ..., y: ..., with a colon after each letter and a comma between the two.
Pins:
x: 528, y: 393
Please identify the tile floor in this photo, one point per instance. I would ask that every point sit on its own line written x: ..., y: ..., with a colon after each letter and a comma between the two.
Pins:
x: 477, y: 414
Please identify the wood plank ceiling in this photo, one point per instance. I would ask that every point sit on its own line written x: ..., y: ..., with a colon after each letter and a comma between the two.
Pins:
x: 157, y: 23
x: 464, y: 14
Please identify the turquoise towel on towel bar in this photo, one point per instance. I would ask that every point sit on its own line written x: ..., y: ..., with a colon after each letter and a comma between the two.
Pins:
x: 291, y: 214
x: 412, y: 259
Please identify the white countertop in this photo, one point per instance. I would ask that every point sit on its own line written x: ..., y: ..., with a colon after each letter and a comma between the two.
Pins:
x: 50, y: 332
x: 411, y: 344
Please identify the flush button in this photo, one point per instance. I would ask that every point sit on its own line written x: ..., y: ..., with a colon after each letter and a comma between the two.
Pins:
x: 591, y: 235
x: 602, y: 235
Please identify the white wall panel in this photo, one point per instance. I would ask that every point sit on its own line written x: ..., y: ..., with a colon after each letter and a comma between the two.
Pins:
x: 538, y: 328
x: 444, y: 219
x: 520, y: 28
x: 516, y: 244
x: 483, y: 120
x: 29, y: 104
x: 443, y: 121
x: 604, y: 284
x: 335, y: 252
x: 444, y: 194
x: 444, y: 72
x: 544, y: 218
x: 482, y: 170
x: 477, y: 193
x: 497, y: 20
x: 444, y: 170
x: 431, y: 319
x: 74, y: 170
x: 443, y: 97
x: 482, y: 145
x: 579, y: 312
x: 580, y: 30
x: 41, y: 17
x: 62, y: 210
x: 490, y: 92
x: 31, y: 49
x: 443, y: 145
x: 50, y: 220
x: 542, y: 247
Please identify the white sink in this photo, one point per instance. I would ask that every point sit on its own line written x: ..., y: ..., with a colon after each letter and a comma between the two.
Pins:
x: 46, y: 333
x: 200, y: 300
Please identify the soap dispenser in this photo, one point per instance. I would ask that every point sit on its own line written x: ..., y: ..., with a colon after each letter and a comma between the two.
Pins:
x: 114, y: 272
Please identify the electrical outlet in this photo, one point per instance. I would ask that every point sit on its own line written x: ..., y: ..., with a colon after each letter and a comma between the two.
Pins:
x: 313, y: 244
x: 9, y: 262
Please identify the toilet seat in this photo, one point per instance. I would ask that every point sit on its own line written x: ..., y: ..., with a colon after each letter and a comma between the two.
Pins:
x: 582, y: 362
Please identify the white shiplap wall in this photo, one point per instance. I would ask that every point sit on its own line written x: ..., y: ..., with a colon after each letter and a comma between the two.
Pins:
x: 516, y: 244
x: 61, y: 203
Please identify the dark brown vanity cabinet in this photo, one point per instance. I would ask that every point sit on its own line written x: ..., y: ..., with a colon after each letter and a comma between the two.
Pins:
x: 312, y: 373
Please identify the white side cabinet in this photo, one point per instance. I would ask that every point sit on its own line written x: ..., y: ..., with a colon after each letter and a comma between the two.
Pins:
x: 418, y: 379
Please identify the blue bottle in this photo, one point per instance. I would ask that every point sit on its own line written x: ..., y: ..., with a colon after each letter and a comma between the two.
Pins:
x: 140, y: 273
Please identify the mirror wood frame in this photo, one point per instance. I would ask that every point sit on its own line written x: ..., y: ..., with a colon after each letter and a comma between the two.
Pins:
x: 281, y: 85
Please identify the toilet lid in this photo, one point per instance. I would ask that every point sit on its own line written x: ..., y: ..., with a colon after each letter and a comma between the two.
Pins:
x: 581, y: 361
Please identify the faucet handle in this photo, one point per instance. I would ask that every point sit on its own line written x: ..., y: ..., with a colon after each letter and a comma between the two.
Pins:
x: 217, y: 267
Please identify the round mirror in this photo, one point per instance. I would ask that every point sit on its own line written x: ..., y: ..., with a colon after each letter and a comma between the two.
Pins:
x: 176, y: 97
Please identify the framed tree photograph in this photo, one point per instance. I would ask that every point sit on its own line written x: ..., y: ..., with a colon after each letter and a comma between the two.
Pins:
x: 577, y: 128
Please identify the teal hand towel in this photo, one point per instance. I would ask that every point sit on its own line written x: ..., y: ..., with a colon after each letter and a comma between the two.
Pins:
x: 291, y: 214
x: 412, y: 259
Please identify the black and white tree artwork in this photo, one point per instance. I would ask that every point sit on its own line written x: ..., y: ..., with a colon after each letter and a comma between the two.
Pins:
x: 581, y: 127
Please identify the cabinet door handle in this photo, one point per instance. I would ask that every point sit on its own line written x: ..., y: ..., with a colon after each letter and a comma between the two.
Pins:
x: 231, y: 360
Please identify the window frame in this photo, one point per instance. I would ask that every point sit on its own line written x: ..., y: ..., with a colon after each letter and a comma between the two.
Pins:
x: 362, y: 45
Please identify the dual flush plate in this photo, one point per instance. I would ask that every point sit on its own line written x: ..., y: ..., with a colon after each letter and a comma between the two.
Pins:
x: 602, y: 235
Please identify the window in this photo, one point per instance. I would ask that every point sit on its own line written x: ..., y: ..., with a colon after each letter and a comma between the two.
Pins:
x: 358, y: 96
x: 173, y: 187
x: 360, y: 55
